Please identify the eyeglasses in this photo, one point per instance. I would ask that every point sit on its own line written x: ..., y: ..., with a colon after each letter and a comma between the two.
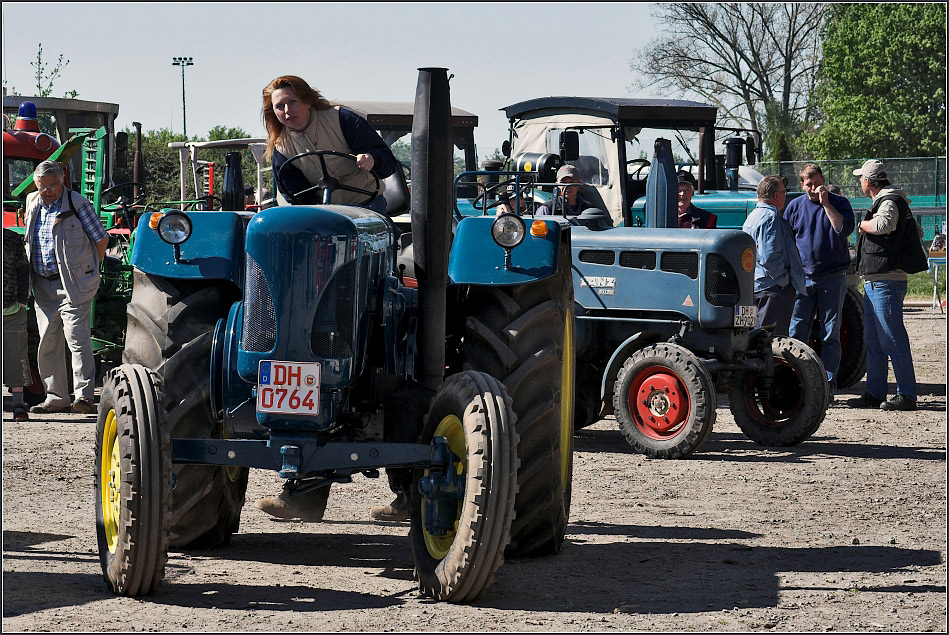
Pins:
x: 49, y: 188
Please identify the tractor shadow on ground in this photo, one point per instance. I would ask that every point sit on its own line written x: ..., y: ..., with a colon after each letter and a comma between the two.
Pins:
x: 28, y: 592
x: 661, y: 577
x: 736, y: 447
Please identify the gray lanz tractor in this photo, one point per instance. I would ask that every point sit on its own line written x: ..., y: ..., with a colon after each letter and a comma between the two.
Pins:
x: 664, y: 315
x: 291, y: 339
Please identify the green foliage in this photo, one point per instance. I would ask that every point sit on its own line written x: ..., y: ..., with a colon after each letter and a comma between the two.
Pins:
x: 161, y: 163
x: 882, y: 85
x: 45, y: 78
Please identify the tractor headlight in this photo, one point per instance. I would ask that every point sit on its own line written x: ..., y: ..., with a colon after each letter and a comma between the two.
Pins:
x: 508, y: 230
x: 174, y: 227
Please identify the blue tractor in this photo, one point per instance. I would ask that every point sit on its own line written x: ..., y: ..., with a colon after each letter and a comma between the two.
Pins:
x: 291, y: 339
x: 665, y: 316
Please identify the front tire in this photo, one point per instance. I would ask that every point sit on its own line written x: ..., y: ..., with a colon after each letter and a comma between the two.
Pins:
x: 170, y: 329
x: 795, y: 406
x: 523, y: 336
x: 473, y: 412
x: 664, y: 401
x: 133, y: 482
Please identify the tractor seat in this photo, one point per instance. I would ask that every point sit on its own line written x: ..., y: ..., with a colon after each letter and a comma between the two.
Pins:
x: 396, y: 194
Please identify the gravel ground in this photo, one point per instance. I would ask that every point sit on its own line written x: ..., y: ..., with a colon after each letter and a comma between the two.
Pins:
x: 846, y: 532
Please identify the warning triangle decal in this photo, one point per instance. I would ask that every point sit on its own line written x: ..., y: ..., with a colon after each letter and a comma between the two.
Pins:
x: 688, y: 301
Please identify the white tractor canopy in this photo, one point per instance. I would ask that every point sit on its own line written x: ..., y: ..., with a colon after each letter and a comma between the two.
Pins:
x: 188, y: 152
x: 598, y: 163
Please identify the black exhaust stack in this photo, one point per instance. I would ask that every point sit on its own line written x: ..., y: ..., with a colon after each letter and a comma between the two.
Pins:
x: 431, y: 218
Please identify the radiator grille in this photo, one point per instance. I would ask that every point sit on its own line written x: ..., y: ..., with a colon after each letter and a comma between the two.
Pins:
x: 260, y: 325
x: 597, y: 256
x: 638, y: 259
x: 684, y: 262
x: 721, y: 283
x: 332, y: 334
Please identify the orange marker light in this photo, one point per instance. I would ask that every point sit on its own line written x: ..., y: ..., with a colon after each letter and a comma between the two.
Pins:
x: 538, y: 228
x: 153, y: 220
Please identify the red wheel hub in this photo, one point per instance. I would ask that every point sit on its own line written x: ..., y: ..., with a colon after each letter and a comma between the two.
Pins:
x: 658, y: 402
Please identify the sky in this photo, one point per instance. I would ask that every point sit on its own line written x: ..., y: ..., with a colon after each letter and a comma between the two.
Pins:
x: 499, y: 53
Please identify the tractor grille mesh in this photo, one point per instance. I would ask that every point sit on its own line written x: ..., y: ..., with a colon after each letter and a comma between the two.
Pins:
x: 721, y: 283
x: 684, y: 262
x: 332, y: 334
x: 638, y: 259
x: 597, y: 256
x: 260, y: 324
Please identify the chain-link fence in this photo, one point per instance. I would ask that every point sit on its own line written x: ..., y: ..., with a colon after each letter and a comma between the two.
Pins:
x: 922, y: 178
x: 918, y: 176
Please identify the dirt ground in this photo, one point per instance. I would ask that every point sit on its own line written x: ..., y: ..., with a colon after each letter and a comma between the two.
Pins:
x: 846, y: 532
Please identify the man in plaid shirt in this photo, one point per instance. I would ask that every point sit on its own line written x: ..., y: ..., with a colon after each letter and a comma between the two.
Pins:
x: 65, y: 243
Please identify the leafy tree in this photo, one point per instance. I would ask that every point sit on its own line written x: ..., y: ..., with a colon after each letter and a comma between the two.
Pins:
x: 882, y: 84
x: 755, y: 61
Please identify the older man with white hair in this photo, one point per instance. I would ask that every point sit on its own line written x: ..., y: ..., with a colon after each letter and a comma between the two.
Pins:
x: 65, y: 241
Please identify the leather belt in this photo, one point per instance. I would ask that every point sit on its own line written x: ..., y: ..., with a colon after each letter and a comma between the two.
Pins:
x: 54, y: 276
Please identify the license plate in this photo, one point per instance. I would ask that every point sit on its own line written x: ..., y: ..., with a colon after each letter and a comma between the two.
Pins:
x: 745, y: 317
x: 288, y: 387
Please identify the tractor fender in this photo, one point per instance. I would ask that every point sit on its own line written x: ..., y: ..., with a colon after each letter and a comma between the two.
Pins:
x: 214, y: 250
x: 476, y: 259
x: 619, y: 356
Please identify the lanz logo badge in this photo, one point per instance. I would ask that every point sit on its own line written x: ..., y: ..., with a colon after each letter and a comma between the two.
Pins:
x: 598, y: 281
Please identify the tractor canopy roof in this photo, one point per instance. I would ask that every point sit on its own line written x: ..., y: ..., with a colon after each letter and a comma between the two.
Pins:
x: 395, y: 115
x: 644, y: 113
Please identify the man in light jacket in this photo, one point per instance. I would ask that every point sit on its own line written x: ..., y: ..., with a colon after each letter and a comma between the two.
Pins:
x: 65, y: 243
x: 779, y: 274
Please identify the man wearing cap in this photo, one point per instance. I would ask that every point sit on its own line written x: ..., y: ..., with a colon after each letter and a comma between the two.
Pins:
x: 65, y: 241
x: 567, y: 201
x: 691, y: 216
x: 878, y: 257
x: 779, y: 275
x: 822, y: 222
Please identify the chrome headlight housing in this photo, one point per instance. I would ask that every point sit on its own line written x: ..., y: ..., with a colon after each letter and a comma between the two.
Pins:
x: 508, y: 230
x: 174, y: 227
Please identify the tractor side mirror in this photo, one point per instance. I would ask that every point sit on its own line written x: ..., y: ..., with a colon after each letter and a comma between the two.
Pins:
x: 122, y: 149
x: 506, y: 148
x: 569, y: 145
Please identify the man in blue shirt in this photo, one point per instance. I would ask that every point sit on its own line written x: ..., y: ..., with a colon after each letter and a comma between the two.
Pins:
x: 779, y: 275
x: 822, y: 222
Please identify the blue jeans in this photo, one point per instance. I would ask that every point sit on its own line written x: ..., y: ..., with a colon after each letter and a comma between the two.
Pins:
x: 885, y: 337
x: 825, y: 294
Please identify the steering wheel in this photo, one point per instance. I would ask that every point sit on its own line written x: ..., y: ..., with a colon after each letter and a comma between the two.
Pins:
x: 130, y: 184
x: 479, y: 201
x: 643, y: 163
x: 327, y: 182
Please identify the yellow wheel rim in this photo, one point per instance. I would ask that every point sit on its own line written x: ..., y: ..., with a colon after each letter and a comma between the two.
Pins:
x: 451, y: 428
x: 566, y: 402
x: 110, y: 480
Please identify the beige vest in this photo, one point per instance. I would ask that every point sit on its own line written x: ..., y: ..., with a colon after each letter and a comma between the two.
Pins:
x: 324, y: 133
x: 76, y: 255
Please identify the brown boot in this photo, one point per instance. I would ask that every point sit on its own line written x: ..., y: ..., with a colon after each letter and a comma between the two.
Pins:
x: 308, y: 507
x: 395, y: 511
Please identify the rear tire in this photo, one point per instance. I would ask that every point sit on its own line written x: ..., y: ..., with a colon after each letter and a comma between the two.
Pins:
x: 664, y: 400
x: 170, y: 328
x: 853, y: 352
x: 133, y: 482
x: 523, y: 336
x: 473, y: 412
x: 797, y: 403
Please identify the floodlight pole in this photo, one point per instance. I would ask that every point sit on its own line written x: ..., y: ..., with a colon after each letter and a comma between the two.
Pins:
x: 182, y: 62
